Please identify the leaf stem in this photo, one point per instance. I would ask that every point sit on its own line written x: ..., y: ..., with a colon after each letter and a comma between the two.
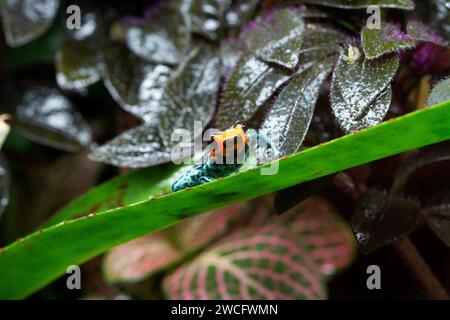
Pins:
x: 421, y: 270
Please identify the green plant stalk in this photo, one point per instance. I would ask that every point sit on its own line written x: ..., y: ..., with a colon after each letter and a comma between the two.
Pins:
x: 34, y: 261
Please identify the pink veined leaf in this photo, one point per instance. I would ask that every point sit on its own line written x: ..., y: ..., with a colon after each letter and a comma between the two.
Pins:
x: 202, y: 230
x: 141, y: 258
x: 256, y: 263
x: 315, y: 224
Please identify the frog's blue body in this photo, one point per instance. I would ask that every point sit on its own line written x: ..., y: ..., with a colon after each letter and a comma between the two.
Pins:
x: 204, y: 173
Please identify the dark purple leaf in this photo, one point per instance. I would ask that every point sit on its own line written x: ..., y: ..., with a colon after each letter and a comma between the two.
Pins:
x: 276, y: 37
x: 420, y: 32
x: 359, y: 4
x: 25, y: 20
x: 47, y: 117
x: 77, y: 66
x: 380, y: 219
x: 390, y: 38
x: 250, y: 85
x: 137, y: 86
x: 162, y: 35
x: 420, y: 158
x: 291, y: 113
x: 360, y: 93
x: 189, y: 96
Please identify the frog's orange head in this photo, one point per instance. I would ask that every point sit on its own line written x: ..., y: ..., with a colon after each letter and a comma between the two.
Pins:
x: 234, y: 137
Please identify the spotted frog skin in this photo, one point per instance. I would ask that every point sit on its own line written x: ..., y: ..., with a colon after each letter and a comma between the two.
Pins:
x: 212, y: 168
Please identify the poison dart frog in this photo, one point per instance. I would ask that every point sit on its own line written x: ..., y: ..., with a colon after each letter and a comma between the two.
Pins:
x: 221, y: 162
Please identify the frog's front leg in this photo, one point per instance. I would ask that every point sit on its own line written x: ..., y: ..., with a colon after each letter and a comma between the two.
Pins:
x: 264, y: 148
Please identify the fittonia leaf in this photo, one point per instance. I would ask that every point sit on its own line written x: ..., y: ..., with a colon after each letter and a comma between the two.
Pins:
x: 250, y: 85
x: 276, y: 258
x: 189, y: 96
x: 359, y: 86
x: 440, y: 92
x: 390, y: 38
x: 379, y: 219
x: 276, y: 37
x: 358, y: 4
x: 137, y: 86
x: 25, y: 20
x: 77, y: 66
x: 47, y: 117
x: 163, y: 35
x: 291, y: 114
x: 4, y: 184
x: 255, y: 263
x: 140, y: 258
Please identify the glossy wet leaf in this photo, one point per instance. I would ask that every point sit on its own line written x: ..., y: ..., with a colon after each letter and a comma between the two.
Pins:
x: 390, y: 38
x: 440, y: 93
x: 276, y: 37
x: 139, y: 147
x: 77, y: 65
x: 362, y: 83
x: 291, y: 113
x: 438, y: 218
x: 188, y: 96
x: 106, y: 229
x: 421, y: 32
x: 351, y: 119
x: 239, y: 12
x: 249, y: 86
x: 255, y: 263
x: 25, y: 20
x: 162, y: 35
x: 47, y: 117
x: 207, y: 17
x: 211, y: 18
x: 378, y: 219
x: 320, y: 41
x: 137, y: 86
x: 358, y: 4
x: 5, y: 181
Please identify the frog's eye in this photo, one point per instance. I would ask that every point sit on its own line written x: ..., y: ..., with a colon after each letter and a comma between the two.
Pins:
x: 213, y: 138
